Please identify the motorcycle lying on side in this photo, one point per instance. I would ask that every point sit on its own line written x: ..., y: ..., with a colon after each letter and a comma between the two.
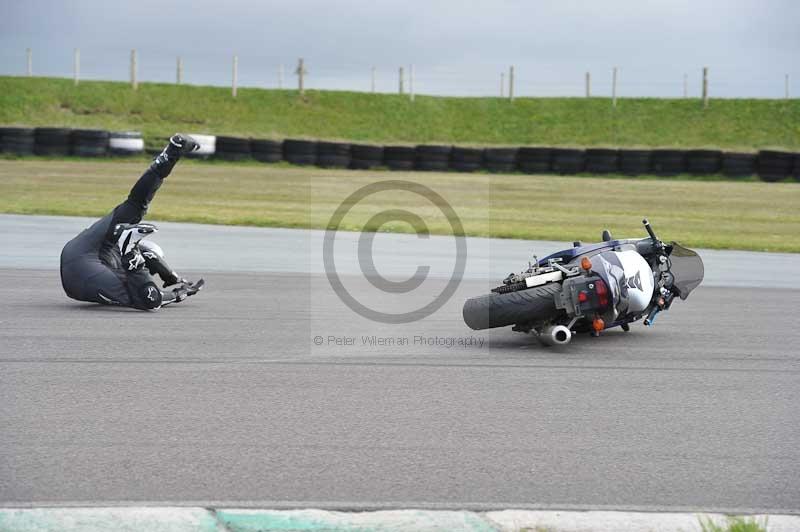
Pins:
x: 590, y: 288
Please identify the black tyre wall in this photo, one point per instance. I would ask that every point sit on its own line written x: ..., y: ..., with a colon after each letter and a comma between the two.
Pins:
x: 89, y: 142
x: 52, y: 141
x: 602, y: 161
x: 333, y: 154
x: 568, y: 161
x: 430, y: 157
x: 399, y: 157
x: 668, y: 162
x: 501, y: 160
x: 635, y: 162
x: 739, y: 164
x: 774, y: 165
x: 232, y: 148
x: 17, y: 140
x: 266, y: 151
x: 302, y: 152
x: 466, y: 159
x: 535, y: 160
x: 364, y: 156
x: 704, y: 162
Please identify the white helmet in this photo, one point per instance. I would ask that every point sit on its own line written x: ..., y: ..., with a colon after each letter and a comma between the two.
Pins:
x: 128, y: 235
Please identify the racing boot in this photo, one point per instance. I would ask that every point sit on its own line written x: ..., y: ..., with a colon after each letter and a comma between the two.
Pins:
x: 179, y: 145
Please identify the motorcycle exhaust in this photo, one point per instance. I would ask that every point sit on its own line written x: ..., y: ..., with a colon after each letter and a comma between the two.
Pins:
x: 555, y: 335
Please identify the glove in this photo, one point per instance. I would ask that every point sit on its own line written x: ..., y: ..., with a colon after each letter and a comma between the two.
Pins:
x: 176, y: 280
x: 187, y: 289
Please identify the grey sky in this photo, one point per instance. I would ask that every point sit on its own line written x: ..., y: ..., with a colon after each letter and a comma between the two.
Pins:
x: 457, y: 47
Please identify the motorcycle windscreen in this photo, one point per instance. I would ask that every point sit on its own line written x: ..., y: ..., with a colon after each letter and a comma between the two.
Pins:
x: 686, y: 268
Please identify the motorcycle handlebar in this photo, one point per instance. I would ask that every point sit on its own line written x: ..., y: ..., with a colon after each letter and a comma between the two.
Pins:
x: 649, y: 230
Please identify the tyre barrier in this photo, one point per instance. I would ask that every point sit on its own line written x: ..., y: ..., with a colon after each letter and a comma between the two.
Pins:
x: 739, y: 164
x: 769, y: 165
x: 399, y: 157
x: 796, y: 169
x: 466, y: 159
x: 17, y: 140
x: 266, y: 151
x: 52, y: 141
x: 668, y: 162
x: 232, y: 148
x: 302, y: 152
x: 89, y: 142
x: 333, y: 154
x: 568, y: 161
x: 635, y: 162
x: 703, y: 162
x: 365, y: 156
x: 432, y: 158
x: 775, y: 165
x: 125, y: 143
x: 602, y: 161
x: 501, y: 160
x: 535, y: 160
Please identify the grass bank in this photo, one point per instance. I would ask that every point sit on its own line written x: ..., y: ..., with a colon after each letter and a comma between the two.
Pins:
x: 161, y: 109
x: 726, y: 215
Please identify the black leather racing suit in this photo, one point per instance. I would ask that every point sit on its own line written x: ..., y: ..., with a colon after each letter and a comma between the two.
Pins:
x: 91, y: 263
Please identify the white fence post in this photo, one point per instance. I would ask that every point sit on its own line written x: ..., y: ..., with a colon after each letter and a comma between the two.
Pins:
x: 786, y: 86
x: 685, y: 85
x: 705, y: 87
x: 179, y: 71
x: 588, y: 85
x: 76, y: 65
x: 235, y: 79
x: 400, y: 74
x: 134, y: 82
x: 614, y: 88
x: 29, y: 53
x: 511, y: 83
x: 373, y: 80
x: 301, y: 72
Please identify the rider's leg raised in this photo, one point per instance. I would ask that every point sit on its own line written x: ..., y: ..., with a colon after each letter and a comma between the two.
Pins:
x: 133, y: 209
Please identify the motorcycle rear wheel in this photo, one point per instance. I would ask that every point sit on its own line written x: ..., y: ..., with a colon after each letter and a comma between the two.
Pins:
x: 500, y: 310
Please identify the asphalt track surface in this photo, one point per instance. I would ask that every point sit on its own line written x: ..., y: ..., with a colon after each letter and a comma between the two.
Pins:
x: 228, y: 400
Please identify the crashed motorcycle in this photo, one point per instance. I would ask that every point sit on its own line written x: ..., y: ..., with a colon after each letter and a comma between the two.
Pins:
x: 590, y: 288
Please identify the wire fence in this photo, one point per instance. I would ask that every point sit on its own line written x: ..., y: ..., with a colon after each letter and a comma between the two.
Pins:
x: 509, y: 81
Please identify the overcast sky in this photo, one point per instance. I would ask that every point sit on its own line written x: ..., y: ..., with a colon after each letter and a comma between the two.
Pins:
x: 457, y: 47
